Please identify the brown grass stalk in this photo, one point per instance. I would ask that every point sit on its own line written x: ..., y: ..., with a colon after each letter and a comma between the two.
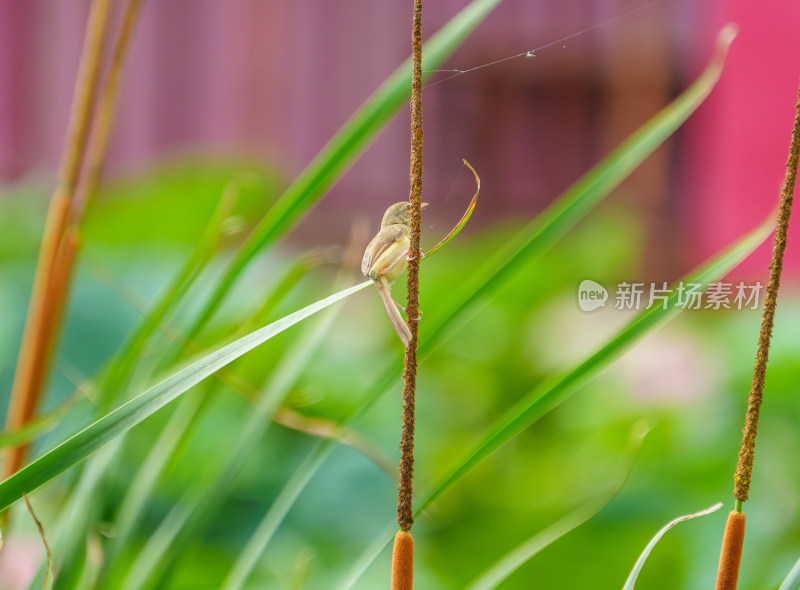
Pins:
x: 83, y: 100
x: 104, y: 118
x: 405, y: 513
x: 29, y: 370
x: 35, y: 348
x: 57, y: 252
x: 46, y: 331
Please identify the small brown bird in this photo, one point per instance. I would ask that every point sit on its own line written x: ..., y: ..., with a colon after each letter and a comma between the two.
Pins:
x: 385, y: 259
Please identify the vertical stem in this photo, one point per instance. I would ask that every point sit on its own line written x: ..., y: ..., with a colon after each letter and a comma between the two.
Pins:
x: 104, y: 117
x: 744, y: 468
x: 36, y: 338
x: 31, y: 364
x: 733, y: 539
x: 83, y: 99
x: 403, y: 553
x: 405, y: 513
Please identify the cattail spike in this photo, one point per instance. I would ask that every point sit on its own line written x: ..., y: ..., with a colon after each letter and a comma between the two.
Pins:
x: 403, y: 562
x: 731, y: 554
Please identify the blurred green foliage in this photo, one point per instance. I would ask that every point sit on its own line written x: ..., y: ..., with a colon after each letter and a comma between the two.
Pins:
x: 688, y: 380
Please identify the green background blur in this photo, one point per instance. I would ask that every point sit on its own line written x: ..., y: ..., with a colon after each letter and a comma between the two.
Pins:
x: 687, y: 383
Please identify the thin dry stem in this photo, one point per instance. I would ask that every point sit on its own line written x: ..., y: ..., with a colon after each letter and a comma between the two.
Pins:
x: 49, y: 571
x: 405, y: 513
x: 328, y: 429
x: 744, y: 468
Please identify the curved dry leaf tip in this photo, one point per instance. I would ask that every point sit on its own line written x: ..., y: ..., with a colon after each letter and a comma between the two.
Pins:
x: 724, y: 40
x: 477, y: 178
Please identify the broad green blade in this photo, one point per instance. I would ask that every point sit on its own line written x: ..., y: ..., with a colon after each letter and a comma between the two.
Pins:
x: 342, y: 150
x: 637, y: 568
x: 77, y: 448
x: 792, y: 581
x: 554, y: 391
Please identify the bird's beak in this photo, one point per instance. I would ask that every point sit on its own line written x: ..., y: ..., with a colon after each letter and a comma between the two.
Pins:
x: 423, y: 205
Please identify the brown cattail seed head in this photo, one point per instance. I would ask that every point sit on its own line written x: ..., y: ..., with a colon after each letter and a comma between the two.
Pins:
x: 403, y: 562
x: 731, y: 554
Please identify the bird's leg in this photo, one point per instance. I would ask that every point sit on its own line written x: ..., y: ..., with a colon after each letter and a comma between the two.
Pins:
x: 398, y: 259
x: 416, y: 319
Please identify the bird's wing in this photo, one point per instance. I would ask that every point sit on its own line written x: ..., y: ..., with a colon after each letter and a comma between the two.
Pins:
x: 385, y: 238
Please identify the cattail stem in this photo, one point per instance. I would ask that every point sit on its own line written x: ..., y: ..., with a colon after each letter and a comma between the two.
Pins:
x: 731, y: 554
x: 405, y: 513
x: 744, y: 468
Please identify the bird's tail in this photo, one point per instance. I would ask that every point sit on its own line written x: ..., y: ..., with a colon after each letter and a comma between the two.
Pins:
x: 394, y: 315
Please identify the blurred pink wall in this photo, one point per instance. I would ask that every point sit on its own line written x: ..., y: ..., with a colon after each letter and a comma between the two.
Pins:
x: 738, y: 144
x: 277, y: 79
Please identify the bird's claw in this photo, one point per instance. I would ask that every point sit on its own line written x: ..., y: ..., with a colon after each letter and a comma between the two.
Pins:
x: 403, y: 309
x: 421, y: 256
